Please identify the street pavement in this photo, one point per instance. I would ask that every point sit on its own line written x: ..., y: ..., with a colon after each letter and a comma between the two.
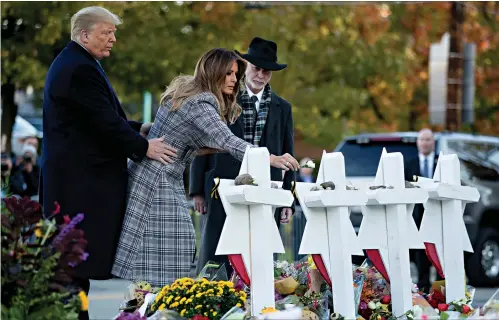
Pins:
x: 106, y: 296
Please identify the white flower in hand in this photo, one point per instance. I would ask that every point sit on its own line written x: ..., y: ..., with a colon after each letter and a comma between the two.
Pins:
x: 309, y: 164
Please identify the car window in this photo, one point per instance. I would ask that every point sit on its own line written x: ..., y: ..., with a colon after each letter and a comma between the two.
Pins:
x: 474, y: 169
x: 478, y: 159
x: 362, y: 159
x: 480, y: 149
x: 494, y: 157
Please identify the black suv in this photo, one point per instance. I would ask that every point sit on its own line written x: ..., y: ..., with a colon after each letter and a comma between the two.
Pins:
x: 479, y: 157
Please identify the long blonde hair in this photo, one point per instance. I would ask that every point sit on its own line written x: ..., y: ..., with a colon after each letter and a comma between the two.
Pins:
x: 209, y: 75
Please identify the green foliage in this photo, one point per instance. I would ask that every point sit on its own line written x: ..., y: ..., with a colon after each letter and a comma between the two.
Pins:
x: 37, y: 256
x: 351, y: 68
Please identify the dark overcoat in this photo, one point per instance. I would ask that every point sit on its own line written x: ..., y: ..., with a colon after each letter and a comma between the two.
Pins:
x: 87, y: 140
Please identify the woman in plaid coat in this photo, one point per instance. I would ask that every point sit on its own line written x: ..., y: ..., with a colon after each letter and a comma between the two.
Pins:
x: 157, y: 242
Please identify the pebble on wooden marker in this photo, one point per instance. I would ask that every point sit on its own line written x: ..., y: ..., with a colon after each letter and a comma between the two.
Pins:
x: 245, y: 179
x: 409, y: 185
x: 328, y: 185
x: 377, y: 187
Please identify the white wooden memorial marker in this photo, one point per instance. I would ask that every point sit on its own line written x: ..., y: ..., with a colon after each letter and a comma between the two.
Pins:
x: 329, y: 231
x: 250, y: 228
x: 443, y: 223
x: 387, y: 225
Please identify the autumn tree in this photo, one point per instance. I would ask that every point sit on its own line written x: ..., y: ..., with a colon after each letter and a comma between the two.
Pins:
x: 351, y: 68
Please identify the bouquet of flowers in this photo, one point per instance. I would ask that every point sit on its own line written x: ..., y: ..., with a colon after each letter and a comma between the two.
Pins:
x: 134, y: 297
x: 285, y: 275
x: 375, y: 297
x: 437, y: 299
x: 199, y: 298
x: 490, y: 309
x: 38, y: 260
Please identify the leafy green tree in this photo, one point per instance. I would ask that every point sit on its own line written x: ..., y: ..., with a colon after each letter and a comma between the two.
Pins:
x: 351, y: 68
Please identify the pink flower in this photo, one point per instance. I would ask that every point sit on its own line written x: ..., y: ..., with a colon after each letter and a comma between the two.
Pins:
x: 424, y: 317
x: 67, y: 219
x: 57, y: 209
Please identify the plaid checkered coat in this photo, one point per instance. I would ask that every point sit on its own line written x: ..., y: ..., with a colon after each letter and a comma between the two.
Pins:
x: 157, y: 242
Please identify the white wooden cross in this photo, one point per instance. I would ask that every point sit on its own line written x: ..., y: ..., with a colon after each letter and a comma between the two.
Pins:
x: 329, y: 231
x: 250, y: 228
x: 443, y: 223
x: 387, y: 225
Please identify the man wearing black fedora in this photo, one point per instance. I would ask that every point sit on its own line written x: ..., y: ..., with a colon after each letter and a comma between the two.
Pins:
x: 266, y: 121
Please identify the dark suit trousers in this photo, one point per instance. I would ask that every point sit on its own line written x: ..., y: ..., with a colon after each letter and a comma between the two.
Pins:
x: 419, y: 256
x: 215, y: 219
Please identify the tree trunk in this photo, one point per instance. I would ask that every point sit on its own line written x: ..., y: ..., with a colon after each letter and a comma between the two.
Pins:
x: 455, y: 73
x: 413, y: 116
x: 9, y: 112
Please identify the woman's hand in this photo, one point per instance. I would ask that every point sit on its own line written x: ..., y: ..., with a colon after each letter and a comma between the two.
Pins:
x: 284, y: 162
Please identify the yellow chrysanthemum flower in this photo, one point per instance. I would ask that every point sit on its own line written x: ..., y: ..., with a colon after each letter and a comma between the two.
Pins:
x: 198, y: 306
x: 162, y: 306
x: 238, y: 305
x: 169, y: 299
x: 310, y: 261
x: 182, y: 312
x: 268, y: 310
x: 214, y: 313
x: 182, y: 300
x: 83, y: 300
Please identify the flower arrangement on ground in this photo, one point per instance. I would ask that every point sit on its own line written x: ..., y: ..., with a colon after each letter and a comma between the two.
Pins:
x: 295, y: 285
x: 202, y: 298
x: 38, y: 260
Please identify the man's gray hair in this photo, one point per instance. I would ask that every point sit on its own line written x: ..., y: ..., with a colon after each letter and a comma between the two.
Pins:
x: 86, y: 18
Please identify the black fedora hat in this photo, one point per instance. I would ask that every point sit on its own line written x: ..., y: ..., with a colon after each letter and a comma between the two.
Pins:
x: 263, y: 54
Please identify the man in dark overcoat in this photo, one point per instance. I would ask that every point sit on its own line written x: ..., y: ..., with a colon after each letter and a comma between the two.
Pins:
x: 423, y: 165
x: 87, y: 140
x: 266, y: 121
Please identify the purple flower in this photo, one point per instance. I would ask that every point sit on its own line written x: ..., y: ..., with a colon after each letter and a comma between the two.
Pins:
x: 70, y: 226
x: 363, y: 305
x: 83, y: 257
x: 277, y: 296
x: 239, y: 284
x: 130, y: 316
